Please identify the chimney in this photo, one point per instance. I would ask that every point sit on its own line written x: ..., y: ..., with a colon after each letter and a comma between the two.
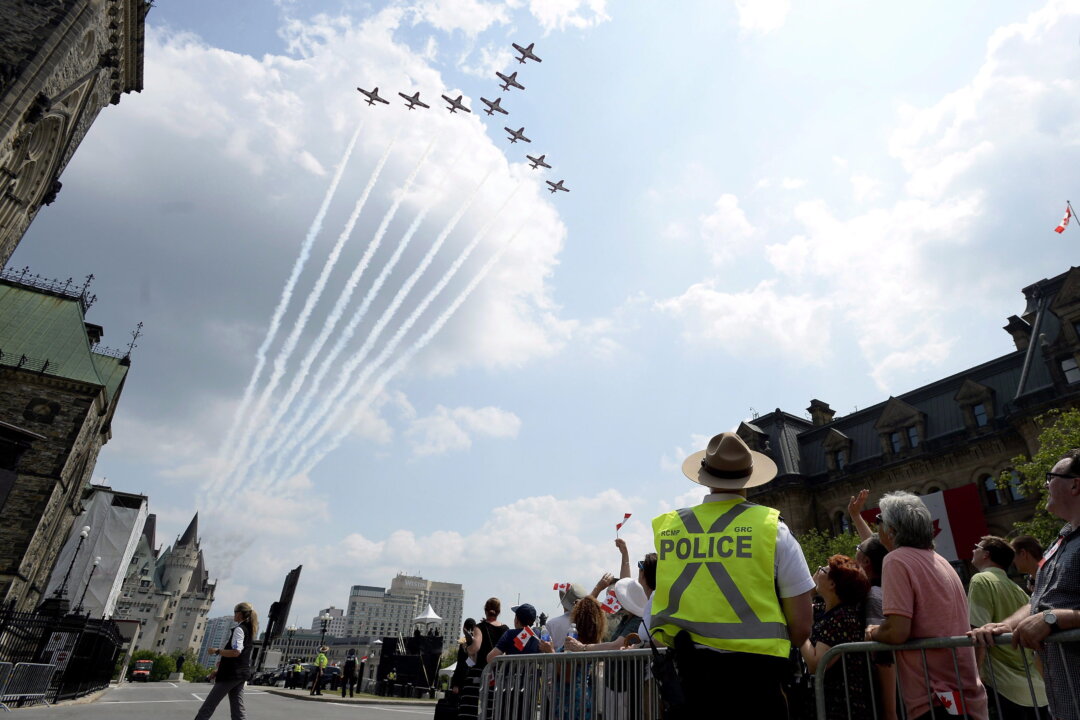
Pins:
x: 1020, y: 331
x: 821, y: 413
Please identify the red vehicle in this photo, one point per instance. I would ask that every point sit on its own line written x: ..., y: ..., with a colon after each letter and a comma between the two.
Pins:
x: 142, y: 670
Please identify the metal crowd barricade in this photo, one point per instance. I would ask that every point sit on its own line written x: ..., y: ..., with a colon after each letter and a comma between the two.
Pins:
x: 614, y: 684
x: 27, y: 682
x: 1055, y: 643
x: 5, y: 673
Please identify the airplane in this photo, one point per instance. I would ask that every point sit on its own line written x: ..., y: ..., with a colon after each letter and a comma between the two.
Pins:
x: 509, y: 82
x: 538, y: 162
x: 516, y: 135
x: 493, y: 107
x: 556, y: 186
x: 413, y: 100
x: 373, y: 97
x: 456, y: 105
x: 526, y: 53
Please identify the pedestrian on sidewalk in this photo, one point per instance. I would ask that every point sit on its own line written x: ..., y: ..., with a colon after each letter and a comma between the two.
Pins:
x: 348, y: 673
x: 234, y: 668
x: 320, y: 666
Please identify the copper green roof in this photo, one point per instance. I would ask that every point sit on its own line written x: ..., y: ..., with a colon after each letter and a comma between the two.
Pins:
x: 49, y: 331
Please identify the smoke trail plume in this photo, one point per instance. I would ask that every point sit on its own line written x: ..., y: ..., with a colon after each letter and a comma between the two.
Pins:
x: 326, y: 408
x: 286, y: 296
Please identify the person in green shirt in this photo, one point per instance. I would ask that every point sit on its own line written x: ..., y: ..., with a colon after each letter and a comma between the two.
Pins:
x: 993, y: 597
x: 320, y: 664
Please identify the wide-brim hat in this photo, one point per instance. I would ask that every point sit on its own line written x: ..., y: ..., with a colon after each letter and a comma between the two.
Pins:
x: 569, y: 596
x: 324, y: 648
x: 631, y: 596
x: 728, y: 464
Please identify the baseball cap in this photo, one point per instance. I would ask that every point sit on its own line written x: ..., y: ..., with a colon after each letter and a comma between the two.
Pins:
x: 525, y: 612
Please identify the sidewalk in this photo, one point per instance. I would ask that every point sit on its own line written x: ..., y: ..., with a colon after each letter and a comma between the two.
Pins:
x: 360, y: 699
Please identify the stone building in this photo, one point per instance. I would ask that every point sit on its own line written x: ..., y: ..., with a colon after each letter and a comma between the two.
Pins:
x: 959, y: 430
x: 58, y: 394
x: 376, y: 612
x: 61, y: 62
x: 168, y: 592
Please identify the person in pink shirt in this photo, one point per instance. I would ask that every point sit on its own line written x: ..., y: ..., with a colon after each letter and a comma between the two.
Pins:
x: 924, y: 598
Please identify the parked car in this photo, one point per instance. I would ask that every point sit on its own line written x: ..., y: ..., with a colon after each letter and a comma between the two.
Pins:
x: 330, y: 673
x: 272, y: 678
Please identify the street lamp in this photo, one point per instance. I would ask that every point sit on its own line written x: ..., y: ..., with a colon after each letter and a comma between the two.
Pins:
x: 83, y: 534
x: 79, y: 607
x: 325, y: 617
x: 289, y: 633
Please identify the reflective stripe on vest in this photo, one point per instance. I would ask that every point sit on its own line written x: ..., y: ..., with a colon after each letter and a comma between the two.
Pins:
x: 746, y: 617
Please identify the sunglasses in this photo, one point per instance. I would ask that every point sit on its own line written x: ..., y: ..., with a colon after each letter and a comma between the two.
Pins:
x: 640, y: 564
x: 1051, y: 475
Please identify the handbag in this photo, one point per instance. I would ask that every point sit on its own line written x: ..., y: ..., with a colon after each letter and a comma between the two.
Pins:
x: 665, y: 673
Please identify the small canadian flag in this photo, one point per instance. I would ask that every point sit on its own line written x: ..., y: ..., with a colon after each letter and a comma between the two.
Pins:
x: 523, y: 637
x: 611, y: 603
x: 1065, y: 220
x: 625, y: 517
x: 952, y: 701
x: 560, y: 586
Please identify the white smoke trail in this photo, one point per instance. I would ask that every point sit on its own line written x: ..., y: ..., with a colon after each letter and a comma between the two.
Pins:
x: 401, y: 362
x: 283, y: 302
x: 331, y: 321
x: 347, y: 371
x: 334, y: 400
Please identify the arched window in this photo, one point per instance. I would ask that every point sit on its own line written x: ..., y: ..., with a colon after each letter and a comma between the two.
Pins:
x: 932, y: 489
x: 1015, y: 491
x: 990, y: 490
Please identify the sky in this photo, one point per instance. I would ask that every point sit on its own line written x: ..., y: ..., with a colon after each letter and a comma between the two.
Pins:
x: 472, y: 379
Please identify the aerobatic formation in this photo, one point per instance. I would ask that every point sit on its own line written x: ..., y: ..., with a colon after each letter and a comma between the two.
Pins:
x: 492, y: 106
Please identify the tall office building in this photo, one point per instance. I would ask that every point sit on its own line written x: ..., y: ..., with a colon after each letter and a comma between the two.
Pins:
x: 215, y: 636
x: 335, y: 627
x: 377, y: 612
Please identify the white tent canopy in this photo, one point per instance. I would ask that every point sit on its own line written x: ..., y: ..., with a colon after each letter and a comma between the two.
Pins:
x: 429, y: 617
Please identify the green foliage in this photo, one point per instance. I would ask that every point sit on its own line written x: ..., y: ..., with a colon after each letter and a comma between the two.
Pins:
x: 1059, y: 432
x: 818, y: 546
x: 194, y: 672
x: 448, y: 658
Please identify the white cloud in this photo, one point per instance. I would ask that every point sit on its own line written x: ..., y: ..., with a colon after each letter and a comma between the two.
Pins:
x: 792, y: 183
x: 865, y: 188
x: 469, y: 16
x: 762, y: 16
x: 760, y: 321
x: 450, y: 429
x: 725, y: 230
x: 564, y: 14
x: 491, y: 59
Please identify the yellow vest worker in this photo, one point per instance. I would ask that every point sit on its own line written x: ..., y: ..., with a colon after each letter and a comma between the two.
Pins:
x: 715, y: 578
x: 732, y: 589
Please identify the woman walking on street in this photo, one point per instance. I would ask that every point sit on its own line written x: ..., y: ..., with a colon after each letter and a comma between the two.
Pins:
x: 234, y: 668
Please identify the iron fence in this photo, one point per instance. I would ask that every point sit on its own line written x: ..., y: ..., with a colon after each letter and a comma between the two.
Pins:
x: 83, y: 650
x: 26, y: 683
x: 954, y: 696
x: 614, y: 685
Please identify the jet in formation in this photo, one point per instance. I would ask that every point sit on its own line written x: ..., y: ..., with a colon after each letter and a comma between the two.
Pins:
x: 526, y: 53
x: 456, y: 105
x: 516, y: 135
x: 556, y: 186
x: 509, y: 81
x: 413, y: 100
x: 373, y: 96
x: 537, y: 162
x: 494, y: 107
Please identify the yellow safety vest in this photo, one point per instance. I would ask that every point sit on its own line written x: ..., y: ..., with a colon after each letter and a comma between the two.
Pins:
x: 321, y: 661
x: 715, y: 578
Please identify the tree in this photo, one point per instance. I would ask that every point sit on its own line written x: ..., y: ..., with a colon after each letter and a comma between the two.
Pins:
x: 1059, y: 433
x: 819, y: 546
x: 163, y: 664
x: 194, y: 672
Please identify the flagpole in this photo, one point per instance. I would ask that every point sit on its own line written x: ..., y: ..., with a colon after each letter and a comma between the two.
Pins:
x: 1071, y: 211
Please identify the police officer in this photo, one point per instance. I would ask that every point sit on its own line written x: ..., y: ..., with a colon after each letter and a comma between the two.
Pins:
x: 733, y: 591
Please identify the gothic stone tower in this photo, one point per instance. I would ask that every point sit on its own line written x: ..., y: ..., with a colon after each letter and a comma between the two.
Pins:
x: 61, y: 62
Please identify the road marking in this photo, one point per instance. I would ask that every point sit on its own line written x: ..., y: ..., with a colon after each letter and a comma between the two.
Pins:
x: 173, y: 684
x: 197, y: 697
x: 139, y: 702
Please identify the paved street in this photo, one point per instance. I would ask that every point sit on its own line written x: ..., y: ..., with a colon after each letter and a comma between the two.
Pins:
x: 180, y: 701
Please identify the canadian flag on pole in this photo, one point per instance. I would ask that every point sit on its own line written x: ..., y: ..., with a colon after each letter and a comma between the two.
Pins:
x: 611, y: 604
x: 958, y: 520
x: 952, y: 701
x: 560, y: 586
x: 523, y: 637
x: 625, y: 517
x: 1065, y: 220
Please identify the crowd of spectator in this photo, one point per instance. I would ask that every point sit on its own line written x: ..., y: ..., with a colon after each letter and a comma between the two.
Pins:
x: 726, y: 633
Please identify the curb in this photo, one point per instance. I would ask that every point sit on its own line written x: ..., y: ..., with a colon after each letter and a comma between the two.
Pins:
x: 350, y: 701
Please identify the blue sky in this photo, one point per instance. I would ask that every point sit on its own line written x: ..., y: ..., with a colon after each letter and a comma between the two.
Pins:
x: 770, y: 202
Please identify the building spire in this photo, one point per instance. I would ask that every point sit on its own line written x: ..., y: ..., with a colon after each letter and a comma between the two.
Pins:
x: 191, y: 535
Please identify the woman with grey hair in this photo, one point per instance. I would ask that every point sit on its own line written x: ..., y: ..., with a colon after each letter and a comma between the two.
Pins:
x: 922, y: 597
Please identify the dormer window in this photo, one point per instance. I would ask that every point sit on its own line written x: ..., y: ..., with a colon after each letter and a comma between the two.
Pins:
x: 913, y: 436
x: 896, y: 442
x: 979, y: 411
x: 1072, y: 372
x: 841, y: 459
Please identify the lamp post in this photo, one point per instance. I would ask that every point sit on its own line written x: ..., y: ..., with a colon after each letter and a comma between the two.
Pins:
x: 83, y: 534
x: 79, y: 607
x: 289, y: 633
x: 325, y: 618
